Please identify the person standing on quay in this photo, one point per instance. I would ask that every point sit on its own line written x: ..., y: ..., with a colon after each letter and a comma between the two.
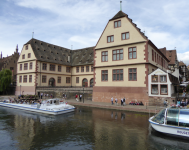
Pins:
x: 112, y: 100
x: 41, y: 95
x: 76, y: 97
x: 80, y: 97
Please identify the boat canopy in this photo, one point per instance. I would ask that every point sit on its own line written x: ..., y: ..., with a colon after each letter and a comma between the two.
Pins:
x: 173, y: 116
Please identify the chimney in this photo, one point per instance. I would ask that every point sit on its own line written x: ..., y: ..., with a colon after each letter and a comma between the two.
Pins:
x: 68, y: 58
x: 17, y: 48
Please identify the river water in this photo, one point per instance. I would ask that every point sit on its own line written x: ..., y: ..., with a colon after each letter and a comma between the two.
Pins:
x: 86, y: 128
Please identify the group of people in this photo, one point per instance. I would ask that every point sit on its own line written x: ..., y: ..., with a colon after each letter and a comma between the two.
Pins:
x: 21, y: 101
x: 116, y: 101
x: 78, y: 96
x: 179, y: 102
x: 135, y: 103
x: 46, y: 95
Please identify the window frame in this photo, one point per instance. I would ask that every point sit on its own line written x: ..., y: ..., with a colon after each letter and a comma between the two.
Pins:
x: 77, y: 79
x: 44, y: 78
x: 20, y: 67
x: 82, y: 69
x: 50, y: 69
x: 152, y: 78
x: 167, y: 89
x: 116, y: 54
x: 87, y: 68
x: 92, y: 68
x: 132, y: 52
x: 125, y: 36
x: 44, y: 66
x: 29, y: 55
x: 58, y: 79
x: 132, y: 74
x: 157, y: 89
x: 59, y: 68
x: 26, y: 67
x: 104, y: 74
x: 116, y: 75
x: 68, y: 80
x: 117, y: 23
x: 110, y: 38
x: 68, y: 69
x: 26, y: 47
x: 25, y: 78
x: 162, y: 76
x: 104, y: 56
x: 30, y: 77
x: 31, y: 65
x: 77, y: 69
x: 20, y: 79
x: 23, y: 56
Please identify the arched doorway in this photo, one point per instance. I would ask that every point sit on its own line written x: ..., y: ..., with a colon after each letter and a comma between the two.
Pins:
x: 91, y: 82
x: 51, y: 82
x: 85, y: 83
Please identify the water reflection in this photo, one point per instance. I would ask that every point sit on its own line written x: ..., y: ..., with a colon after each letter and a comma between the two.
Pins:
x: 86, y: 128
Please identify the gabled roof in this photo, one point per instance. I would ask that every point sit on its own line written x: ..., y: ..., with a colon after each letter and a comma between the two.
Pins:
x: 181, y: 63
x: 55, y: 54
x: 163, y: 50
x: 171, y: 56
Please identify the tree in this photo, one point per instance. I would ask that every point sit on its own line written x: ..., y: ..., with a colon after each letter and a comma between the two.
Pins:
x: 5, y: 79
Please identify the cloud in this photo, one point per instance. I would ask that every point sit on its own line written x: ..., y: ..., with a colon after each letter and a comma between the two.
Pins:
x: 184, y: 57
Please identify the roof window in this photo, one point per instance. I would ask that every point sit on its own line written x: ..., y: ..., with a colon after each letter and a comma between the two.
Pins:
x: 41, y: 56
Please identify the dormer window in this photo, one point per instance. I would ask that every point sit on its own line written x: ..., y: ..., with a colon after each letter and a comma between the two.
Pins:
x: 110, y: 39
x: 117, y: 24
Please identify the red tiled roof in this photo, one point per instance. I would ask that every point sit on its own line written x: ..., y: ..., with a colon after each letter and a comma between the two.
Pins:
x: 171, y: 56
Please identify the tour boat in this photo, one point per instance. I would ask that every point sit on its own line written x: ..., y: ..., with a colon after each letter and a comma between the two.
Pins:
x: 50, y: 106
x: 172, y: 120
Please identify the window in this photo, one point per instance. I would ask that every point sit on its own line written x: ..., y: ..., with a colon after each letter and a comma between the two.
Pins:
x: 30, y: 78
x: 77, y: 79
x: 44, y: 66
x: 132, y: 74
x: 118, y: 54
x: 11, y: 68
x: 23, y: 56
x: 110, y: 38
x: 67, y: 79
x: 26, y: 48
x: 20, y: 67
x: 44, y: 79
x: 52, y: 67
x: 132, y: 53
x: 155, y: 56
x: 77, y: 69
x: 163, y: 78
x: 20, y: 79
x: 59, y: 68
x: 104, y: 75
x: 154, y: 89
x: 59, y: 79
x: 164, y: 89
x: 68, y: 69
x: 26, y: 66
x: 125, y: 36
x: 154, y: 78
x: 31, y: 64
x: 82, y: 69
x: 91, y: 68
x: 118, y: 75
x: 29, y: 55
x: 87, y: 68
x: 152, y: 55
x: 117, y: 24
x: 104, y: 56
x: 157, y: 59
x: 25, y: 78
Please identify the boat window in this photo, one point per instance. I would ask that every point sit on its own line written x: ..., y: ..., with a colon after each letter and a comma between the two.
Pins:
x: 172, y: 117
x: 159, y: 118
x: 183, y: 118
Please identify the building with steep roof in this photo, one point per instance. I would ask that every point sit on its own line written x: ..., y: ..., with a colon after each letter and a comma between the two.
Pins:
x: 183, y: 70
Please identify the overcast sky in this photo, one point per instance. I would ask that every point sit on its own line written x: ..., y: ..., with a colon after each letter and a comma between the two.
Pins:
x: 81, y: 22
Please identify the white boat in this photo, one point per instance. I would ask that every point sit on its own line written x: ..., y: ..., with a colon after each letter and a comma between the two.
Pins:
x: 50, y: 106
x: 172, y: 120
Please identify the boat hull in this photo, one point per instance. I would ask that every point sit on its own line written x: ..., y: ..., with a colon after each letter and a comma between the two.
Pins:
x: 36, y: 109
x: 173, y: 130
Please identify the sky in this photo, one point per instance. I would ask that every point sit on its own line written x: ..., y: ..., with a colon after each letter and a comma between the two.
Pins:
x: 81, y: 22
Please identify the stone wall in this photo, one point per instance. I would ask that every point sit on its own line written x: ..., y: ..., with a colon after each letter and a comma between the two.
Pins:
x: 70, y: 92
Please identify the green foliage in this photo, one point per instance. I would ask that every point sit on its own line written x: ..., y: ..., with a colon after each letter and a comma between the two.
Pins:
x: 5, y: 79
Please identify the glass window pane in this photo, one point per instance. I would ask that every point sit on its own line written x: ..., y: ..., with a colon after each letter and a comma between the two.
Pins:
x: 114, y: 51
x: 121, y: 71
x: 134, y: 76
x: 127, y: 35
x: 114, y: 57
x: 115, y: 24
x: 102, y: 58
x: 102, y: 77
x: 106, y: 58
x: 130, y: 76
x: 117, y: 71
x: 108, y: 39
x: 154, y: 89
x: 164, y: 89
x: 183, y: 118
x: 114, y: 71
x: 102, y: 53
x: 121, y: 56
x: 130, y: 55
x: 123, y: 36
x: 134, y: 54
x: 112, y: 38
x: 130, y: 70
x: 106, y: 53
x: 172, y: 117
x: 106, y: 71
x: 134, y: 70
x: 119, y: 23
x: 106, y: 77
x: 114, y: 77
x: 121, y: 76
x: 117, y: 76
x: 102, y: 72
x: 130, y: 49
x: 117, y: 51
x: 120, y: 51
x: 159, y: 118
x: 117, y: 56
x: 134, y: 49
